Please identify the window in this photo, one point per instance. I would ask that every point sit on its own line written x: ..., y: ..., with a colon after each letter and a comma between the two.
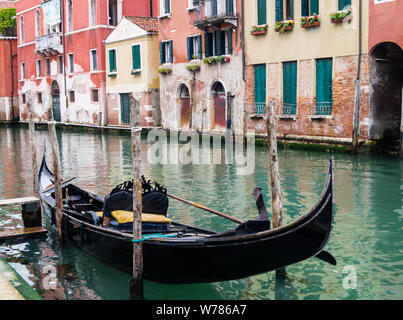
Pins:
x: 95, y: 97
x: 344, y: 3
x: 72, y: 95
x: 39, y: 97
x: 113, y: 13
x: 71, y: 63
x: 214, y: 8
x: 23, y: 98
x: 229, y: 7
x: 261, y: 12
x: 166, y: 52
x: 92, y: 13
x: 136, y: 57
x: 37, y: 23
x: 47, y: 66
x: 22, y: 34
x: 218, y: 43
x: 22, y: 70
x: 324, y: 86
x: 60, y: 64
x: 38, y: 68
x: 69, y: 15
x: 94, y: 60
x: 194, y: 47
x: 290, y: 87
x: 112, y: 61
x: 260, y: 88
x: 284, y: 10
x: 165, y: 7
x: 309, y: 7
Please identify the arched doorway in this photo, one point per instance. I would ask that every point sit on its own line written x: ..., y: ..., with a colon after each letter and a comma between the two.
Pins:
x: 55, y: 91
x: 386, y: 79
x: 218, y: 92
x: 184, y: 102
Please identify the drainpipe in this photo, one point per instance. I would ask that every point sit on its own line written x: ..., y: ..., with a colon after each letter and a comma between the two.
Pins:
x: 12, y: 79
x: 243, y: 39
x: 64, y: 53
x: 356, y: 115
x: 151, y: 8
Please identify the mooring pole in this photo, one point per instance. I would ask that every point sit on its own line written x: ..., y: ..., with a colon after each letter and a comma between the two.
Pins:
x: 57, y: 173
x: 33, y: 148
x: 136, y: 283
x: 276, y: 195
x: 401, y: 129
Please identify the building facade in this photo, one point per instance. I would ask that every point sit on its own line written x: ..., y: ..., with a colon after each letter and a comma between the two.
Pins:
x: 386, y: 67
x: 304, y: 55
x: 61, y: 55
x: 8, y: 68
x: 132, y: 60
x: 201, y: 65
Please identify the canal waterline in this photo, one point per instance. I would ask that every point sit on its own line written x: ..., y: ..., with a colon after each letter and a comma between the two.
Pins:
x: 367, y: 238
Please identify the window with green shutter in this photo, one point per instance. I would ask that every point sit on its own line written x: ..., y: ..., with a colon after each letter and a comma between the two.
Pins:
x: 136, y: 56
x: 261, y: 12
x: 324, y: 86
x: 229, y: 7
x: 284, y: 10
x: 167, y: 6
x: 260, y: 88
x: 208, y: 44
x: 219, y: 42
x: 112, y: 61
x: 214, y: 8
x: 290, y: 87
x: 344, y: 3
x: 309, y: 7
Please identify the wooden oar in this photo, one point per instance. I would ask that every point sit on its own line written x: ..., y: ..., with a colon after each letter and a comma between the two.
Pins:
x: 206, y: 209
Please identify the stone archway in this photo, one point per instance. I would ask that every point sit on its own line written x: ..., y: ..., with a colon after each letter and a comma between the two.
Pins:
x: 386, y: 79
x: 55, y: 92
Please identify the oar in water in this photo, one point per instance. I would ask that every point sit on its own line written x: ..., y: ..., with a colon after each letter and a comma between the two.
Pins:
x: 206, y: 209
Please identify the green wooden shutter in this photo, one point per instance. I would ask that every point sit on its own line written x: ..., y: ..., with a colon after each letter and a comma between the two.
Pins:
x: 199, y: 46
x: 261, y: 12
x: 291, y: 10
x: 229, y: 7
x: 167, y: 6
x: 304, y: 8
x: 112, y: 60
x: 324, y: 86
x: 279, y: 10
x: 314, y: 7
x: 208, y: 44
x: 136, y: 57
x: 219, y: 42
x: 260, y: 88
x: 344, y: 3
x: 213, y: 7
x: 162, y: 53
x: 190, y: 48
x: 171, y: 51
x: 290, y: 87
x: 124, y: 108
x: 229, y: 37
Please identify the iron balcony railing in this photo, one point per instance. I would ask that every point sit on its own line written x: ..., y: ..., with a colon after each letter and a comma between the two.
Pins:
x: 49, y: 44
x: 289, y: 108
x: 209, y: 13
x: 260, y: 107
x: 323, y: 108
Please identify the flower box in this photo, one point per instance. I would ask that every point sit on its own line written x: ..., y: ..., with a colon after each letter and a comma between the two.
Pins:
x: 284, y: 26
x: 258, y: 33
x: 193, y: 67
x: 341, y: 16
x: 259, y: 30
x: 164, y: 71
x: 310, y: 22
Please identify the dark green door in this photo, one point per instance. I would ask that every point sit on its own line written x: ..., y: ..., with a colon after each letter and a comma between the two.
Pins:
x: 324, y: 87
x: 56, y: 108
x: 124, y: 108
x: 290, y: 87
x: 260, y: 88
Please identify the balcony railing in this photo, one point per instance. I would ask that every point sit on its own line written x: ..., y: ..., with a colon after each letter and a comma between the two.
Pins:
x: 49, y: 44
x: 260, y: 108
x: 213, y: 13
x: 289, y: 109
x: 322, y: 109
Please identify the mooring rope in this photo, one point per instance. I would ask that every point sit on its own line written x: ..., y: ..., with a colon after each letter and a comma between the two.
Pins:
x: 151, y: 236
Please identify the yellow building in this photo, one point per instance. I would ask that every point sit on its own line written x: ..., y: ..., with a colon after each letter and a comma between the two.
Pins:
x: 132, y: 61
x: 304, y: 55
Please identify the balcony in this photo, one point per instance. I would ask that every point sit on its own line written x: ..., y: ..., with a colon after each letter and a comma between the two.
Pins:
x: 49, y: 44
x: 215, y: 14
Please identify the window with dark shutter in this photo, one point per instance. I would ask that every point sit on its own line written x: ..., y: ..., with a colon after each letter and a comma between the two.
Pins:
x: 324, y: 86
x: 344, y: 3
x: 260, y: 88
x: 112, y: 61
x: 309, y: 7
x: 208, y: 44
x: 95, y: 95
x: 136, y: 56
x: 290, y: 87
x: 261, y: 12
x: 162, y: 53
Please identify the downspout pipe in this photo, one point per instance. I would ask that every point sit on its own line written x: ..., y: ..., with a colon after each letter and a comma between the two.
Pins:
x: 64, y: 51
x: 356, y: 115
x: 12, y: 79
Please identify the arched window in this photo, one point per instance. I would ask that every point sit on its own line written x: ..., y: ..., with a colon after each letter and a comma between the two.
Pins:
x: 37, y: 23
x: 22, y: 35
x: 92, y: 13
x: 69, y: 15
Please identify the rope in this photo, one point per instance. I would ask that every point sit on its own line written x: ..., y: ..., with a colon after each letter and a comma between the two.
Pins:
x: 157, y: 235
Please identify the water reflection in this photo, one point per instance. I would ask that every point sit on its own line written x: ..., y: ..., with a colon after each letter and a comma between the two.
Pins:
x: 367, y: 232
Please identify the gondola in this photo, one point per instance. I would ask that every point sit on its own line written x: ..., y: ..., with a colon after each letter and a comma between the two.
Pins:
x: 178, y: 253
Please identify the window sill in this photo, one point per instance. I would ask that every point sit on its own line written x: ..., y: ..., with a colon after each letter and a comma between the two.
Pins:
x: 112, y: 74
x: 190, y: 9
x: 293, y: 117
x: 136, y: 71
x: 257, y: 116
x: 167, y: 15
x: 320, y: 117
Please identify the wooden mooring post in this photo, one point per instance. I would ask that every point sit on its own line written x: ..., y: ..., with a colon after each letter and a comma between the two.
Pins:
x: 401, y: 130
x: 33, y: 147
x: 136, y: 283
x: 57, y: 173
x: 276, y: 194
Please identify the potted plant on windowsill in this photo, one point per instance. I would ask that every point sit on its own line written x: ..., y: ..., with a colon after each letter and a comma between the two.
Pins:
x: 310, y: 21
x: 341, y: 16
x: 210, y: 60
x: 193, y: 67
x: 223, y: 59
x: 259, y: 30
x: 164, y: 71
x: 284, y: 26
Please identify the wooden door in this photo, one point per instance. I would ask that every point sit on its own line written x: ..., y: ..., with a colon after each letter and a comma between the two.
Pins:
x: 219, y: 110
x: 124, y: 108
x: 185, y: 112
x: 56, y: 108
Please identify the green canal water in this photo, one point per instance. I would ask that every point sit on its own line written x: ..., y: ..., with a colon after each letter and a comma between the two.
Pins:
x: 367, y: 238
